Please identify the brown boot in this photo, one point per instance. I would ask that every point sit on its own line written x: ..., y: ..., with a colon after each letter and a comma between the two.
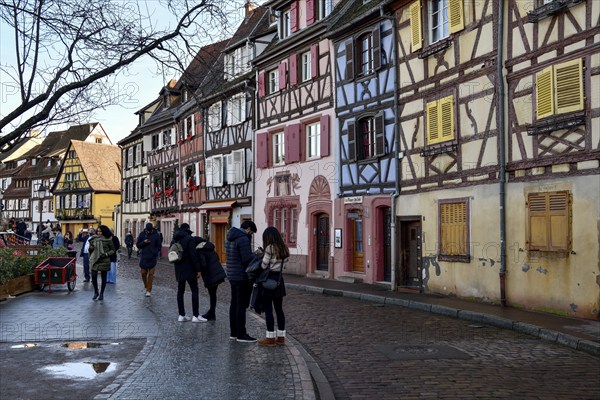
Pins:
x: 269, y: 340
x: 280, y: 341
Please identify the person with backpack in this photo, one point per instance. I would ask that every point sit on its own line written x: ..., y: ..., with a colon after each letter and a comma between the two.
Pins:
x: 187, y: 270
x: 112, y: 274
x: 212, y: 271
x: 129, y: 244
x: 148, y: 243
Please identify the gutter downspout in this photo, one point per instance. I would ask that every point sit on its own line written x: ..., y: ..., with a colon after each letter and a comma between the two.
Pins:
x: 394, y: 196
x: 501, y: 138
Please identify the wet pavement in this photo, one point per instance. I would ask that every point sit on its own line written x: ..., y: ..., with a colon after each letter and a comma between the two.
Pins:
x: 358, y: 342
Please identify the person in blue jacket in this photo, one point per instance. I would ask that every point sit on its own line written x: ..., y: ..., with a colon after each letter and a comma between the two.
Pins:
x: 148, y: 242
x: 238, y: 249
x: 212, y: 271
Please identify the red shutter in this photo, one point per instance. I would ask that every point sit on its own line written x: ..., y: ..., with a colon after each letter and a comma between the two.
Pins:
x: 292, y: 143
x: 294, y: 16
x: 310, y: 12
x: 324, y: 135
x: 351, y: 141
x: 349, y: 60
x: 377, y: 48
x: 262, y: 150
x: 293, y: 69
x: 261, y: 84
x: 282, y: 76
x: 314, y: 60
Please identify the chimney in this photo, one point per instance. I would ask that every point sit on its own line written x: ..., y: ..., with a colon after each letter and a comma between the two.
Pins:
x: 249, y: 6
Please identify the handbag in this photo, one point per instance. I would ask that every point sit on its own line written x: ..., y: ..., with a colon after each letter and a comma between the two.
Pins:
x: 272, y: 284
x: 254, y: 268
x: 256, y: 298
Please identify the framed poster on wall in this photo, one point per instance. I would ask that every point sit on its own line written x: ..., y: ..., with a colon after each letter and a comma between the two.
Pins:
x: 337, y: 238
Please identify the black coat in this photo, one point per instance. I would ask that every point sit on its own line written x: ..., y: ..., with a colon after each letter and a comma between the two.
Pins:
x: 117, y: 244
x: 211, y: 268
x: 129, y: 240
x: 148, y: 251
x: 189, y: 265
x: 239, y: 254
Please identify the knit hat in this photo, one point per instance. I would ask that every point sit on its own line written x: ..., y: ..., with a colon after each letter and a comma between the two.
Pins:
x: 149, y: 226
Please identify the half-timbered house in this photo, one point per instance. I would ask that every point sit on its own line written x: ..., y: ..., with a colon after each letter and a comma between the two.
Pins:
x: 87, y: 186
x: 552, y: 156
x: 296, y: 175
x: 364, y: 43
x: 228, y: 108
x: 134, y: 210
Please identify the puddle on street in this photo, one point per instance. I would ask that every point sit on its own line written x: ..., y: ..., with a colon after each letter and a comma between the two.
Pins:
x: 87, y: 370
x: 82, y: 345
x: 23, y: 346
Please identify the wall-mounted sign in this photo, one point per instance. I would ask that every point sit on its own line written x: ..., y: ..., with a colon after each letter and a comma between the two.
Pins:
x: 353, y: 200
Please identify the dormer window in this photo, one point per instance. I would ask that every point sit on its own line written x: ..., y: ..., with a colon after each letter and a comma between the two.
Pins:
x: 285, y: 26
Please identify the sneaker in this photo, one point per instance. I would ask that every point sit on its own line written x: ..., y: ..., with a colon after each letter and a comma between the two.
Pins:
x: 232, y: 337
x: 148, y: 294
x: 209, y: 317
x: 183, y: 318
x: 199, y: 319
x: 246, y: 339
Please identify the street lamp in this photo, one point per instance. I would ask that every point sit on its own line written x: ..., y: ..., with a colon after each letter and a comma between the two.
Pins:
x: 41, y: 194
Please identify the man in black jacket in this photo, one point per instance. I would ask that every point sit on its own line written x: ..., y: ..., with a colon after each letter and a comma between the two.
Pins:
x: 148, y: 242
x: 238, y: 249
x: 187, y: 270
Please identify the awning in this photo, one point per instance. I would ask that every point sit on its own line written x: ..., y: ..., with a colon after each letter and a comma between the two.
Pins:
x: 217, y: 205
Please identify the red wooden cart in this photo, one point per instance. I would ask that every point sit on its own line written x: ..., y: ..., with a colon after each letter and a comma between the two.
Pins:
x: 56, y: 271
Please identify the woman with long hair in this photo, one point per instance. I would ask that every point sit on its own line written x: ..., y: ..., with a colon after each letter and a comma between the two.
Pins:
x: 275, y: 254
x: 101, y: 249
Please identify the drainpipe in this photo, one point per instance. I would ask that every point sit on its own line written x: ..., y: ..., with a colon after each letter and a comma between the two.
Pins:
x: 394, y: 196
x: 501, y: 135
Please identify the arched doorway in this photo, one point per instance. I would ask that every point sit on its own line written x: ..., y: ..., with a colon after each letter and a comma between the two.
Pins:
x: 319, y: 210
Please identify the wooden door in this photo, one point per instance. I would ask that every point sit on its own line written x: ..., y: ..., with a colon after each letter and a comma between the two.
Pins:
x: 387, y: 245
x: 357, y: 246
x: 411, y: 254
x: 323, y: 242
x: 219, y: 241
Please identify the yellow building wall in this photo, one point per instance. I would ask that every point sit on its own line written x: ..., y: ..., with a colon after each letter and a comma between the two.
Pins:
x: 103, y: 206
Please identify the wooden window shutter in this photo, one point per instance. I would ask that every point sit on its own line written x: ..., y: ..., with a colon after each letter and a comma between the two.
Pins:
x: 456, y: 15
x: 324, y: 122
x: 292, y: 143
x: 379, y: 134
x: 314, y: 60
x: 351, y: 141
x: 229, y: 169
x: 559, y: 220
x: 294, y: 16
x: 453, y: 229
x: 416, y: 32
x: 282, y: 75
x: 433, y: 134
x: 446, y: 115
x: 568, y: 86
x: 208, y: 171
x: 261, y: 84
x: 544, y: 106
x: 310, y: 12
x: 349, y: 60
x: 293, y: 69
x: 377, y: 47
x: 262, y: 150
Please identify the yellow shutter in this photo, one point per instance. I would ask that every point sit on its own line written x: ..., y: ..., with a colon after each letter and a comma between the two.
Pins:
x: 433, y: 126
x: 543, y: 93
x: 538, y: 227
x: 446, y: 113
x: 416, y: 37
x: 549, y: 221
x: 559, y: 221
x: 453, y: 229
x: 456, y: 15
x: 568, y: 84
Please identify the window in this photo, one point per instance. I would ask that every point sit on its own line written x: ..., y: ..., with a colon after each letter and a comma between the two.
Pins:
x: 438, y: 20
x: 188, y: 126
x: 285, y: 27
x: 324, y: 8
x: 365, y: 53
x: 440, y: 120
x: 284, y: 217
x: 126, y: 190
x: 214, y: 171
x: 214, y: 117
x: 236, y: 110
x: 278, y: 148
x: 135, y: 190
x: 129, y: 152
x: 166, y: 138
x: 559, y: 89
x: 273, y: 81
x: 306, y: 68
x: 98, y: 140
x: 444, y: 17
x: 138, y: 153
x: 313, y: 140
x: 155, y: 141
x: 143, y: 189
x: 366, y: 138
x: 235, y: 167
x: 549, y: 221
x: 453, y: 233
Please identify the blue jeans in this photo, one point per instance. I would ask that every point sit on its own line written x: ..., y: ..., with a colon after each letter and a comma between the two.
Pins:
x: 86, y: 266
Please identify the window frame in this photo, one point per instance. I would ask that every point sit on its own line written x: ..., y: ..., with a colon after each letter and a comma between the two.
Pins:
x: 272, y: 81
x: 436, y: 20
x: 365, y: 54
x: 548, y: 82
x: 553, y: 216
x: 278, y: 148
x: 440, y: 121
x: 464, y: 255
x: 315, y: 137
x: 285, y: 25
x: 214, y: 117
x: 305, y: 67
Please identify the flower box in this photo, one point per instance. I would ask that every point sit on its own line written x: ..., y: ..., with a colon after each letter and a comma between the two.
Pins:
x: 16, y: 286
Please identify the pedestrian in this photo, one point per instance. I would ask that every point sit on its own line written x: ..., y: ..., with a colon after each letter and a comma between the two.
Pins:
x: 238, y: 249
x: 148, y: 244
x: 212, y: 271
x: 129, y: 244
x: 85, y: 252
x: 68, y: 240
x: 101, y: 249
x: 21, y: 227
x: 112, y: 274
x: 47, y: 235
x: 274, y: 255
x: 59, y: 240
x: 187, y: 270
